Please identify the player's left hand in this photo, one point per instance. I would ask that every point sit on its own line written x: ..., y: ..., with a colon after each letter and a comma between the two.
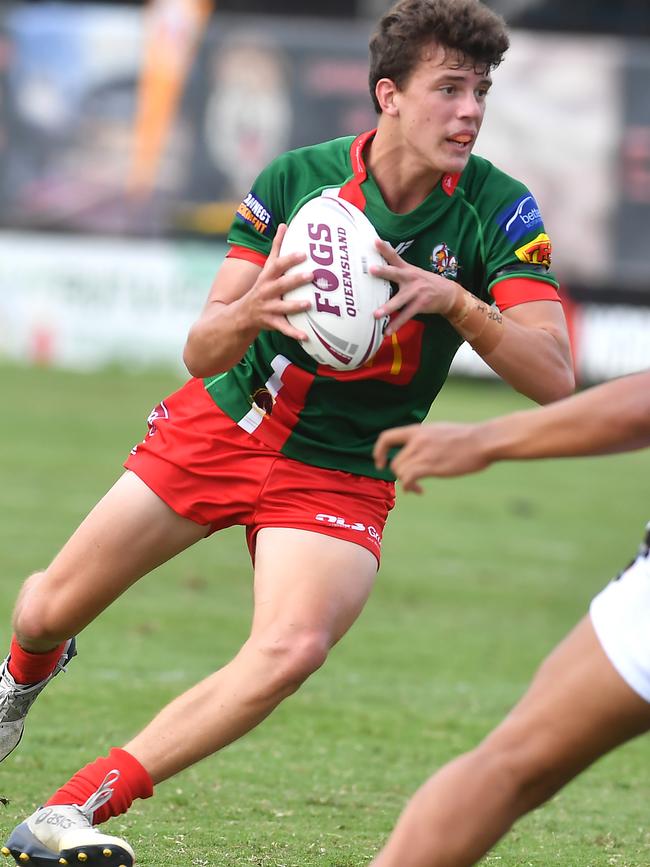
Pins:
x: 420, y: 291
x: 431, y: 450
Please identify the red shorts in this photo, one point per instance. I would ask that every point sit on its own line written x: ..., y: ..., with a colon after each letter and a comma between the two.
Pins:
x: 207, y: 469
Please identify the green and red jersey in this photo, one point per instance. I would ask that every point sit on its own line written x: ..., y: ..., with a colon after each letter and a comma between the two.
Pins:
x: 481, y: 228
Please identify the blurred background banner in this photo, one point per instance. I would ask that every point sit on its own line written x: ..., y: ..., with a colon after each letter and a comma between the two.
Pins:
x: 173, y: 29
x: 100, y: 100
x: 85, y: 305
x: 148, y: 124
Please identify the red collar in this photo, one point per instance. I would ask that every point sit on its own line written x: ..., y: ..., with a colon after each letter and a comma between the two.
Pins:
x: 351, y: 191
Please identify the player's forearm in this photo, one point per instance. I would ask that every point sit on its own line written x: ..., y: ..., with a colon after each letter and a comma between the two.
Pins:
x: 536, y: 361
x: 613, y: 417
x: 218, y: 340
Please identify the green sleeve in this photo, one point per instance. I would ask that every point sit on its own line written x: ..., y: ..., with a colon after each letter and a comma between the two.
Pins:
x: 262, y: 209
x: 516, y: 242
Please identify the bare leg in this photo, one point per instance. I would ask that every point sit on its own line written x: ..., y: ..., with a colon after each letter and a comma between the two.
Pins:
x: 309, y: 589
x: 128, y: 533
x: 577, y: 709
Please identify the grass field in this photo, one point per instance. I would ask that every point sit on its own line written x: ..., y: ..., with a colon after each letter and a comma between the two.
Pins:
x: 480, y: 577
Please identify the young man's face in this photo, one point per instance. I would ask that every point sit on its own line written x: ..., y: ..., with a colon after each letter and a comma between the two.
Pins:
x: 441, y: 110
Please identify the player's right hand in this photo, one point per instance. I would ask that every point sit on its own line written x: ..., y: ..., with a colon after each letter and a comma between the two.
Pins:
x: 263, y: 306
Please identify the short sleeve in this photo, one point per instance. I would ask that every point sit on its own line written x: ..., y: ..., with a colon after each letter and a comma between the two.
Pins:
x: 260, y: 212
x: 517, y: 246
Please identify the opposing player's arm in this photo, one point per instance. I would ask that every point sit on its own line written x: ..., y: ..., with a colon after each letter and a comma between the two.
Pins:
x: 245, y: 299
x: 613, y: 417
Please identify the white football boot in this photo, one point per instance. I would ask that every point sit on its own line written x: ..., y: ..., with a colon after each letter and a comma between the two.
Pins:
x: 17, y: 698
x: 65, y: 835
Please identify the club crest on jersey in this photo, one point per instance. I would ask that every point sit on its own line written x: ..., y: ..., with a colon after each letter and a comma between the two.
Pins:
x: 444, y: 262
x: 520, y: 218
x: 255, y: 213
x: 537, y: 251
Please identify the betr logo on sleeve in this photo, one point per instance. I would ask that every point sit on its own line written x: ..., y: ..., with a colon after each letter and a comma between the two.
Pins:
x: 520, y: 218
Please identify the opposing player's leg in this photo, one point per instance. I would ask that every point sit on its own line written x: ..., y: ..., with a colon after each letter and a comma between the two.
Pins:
x: 577, y: 708
x: 127, y: 534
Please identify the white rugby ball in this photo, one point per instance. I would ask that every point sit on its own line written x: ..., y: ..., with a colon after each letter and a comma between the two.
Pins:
x: 339, y: 242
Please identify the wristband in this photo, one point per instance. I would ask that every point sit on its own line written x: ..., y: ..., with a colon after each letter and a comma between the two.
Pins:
x: 461, y: 306
x: 477, y: 322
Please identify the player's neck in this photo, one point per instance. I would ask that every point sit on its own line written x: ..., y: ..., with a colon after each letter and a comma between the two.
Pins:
x: 403, y: 181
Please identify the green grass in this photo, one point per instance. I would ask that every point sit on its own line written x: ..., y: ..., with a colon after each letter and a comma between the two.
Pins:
x: 481, y: 576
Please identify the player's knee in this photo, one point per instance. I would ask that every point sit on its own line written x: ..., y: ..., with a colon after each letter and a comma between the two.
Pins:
x: 294, y: 657
x: 36, y: 620
x: 522, y: 766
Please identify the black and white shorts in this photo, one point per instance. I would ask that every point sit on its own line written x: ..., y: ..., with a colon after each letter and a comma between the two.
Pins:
x: 620, y: 615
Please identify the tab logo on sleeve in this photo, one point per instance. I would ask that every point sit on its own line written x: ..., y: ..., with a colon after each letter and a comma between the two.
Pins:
x: 255, y: 213
x: 521, y: 217
x: 537, y: 251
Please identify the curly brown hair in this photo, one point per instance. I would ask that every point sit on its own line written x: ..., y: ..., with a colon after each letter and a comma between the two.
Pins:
x: 474, y: 33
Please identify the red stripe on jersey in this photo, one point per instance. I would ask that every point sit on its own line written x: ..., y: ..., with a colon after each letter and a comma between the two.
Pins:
x: 356, y: 154
x: 277, y: 426
x: 396, y: 361
x: 237, y: 252
x: 519, y: 290
x: 352, y: 192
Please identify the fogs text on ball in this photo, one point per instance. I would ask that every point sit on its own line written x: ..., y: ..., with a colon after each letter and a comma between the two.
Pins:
x: 339, y: 242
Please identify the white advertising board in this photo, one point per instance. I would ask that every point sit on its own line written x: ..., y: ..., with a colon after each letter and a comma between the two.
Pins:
x: 80, y: 302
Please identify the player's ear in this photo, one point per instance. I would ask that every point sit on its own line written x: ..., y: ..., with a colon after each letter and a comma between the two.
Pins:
x: 386, y: 91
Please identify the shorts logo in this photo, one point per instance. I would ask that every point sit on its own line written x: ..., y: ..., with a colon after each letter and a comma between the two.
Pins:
x: 255, y: 213
x: 520, y: 218
x: 444, y: 262
x: 536, y: 252
x: 157, y: 413
x: 337, y: 521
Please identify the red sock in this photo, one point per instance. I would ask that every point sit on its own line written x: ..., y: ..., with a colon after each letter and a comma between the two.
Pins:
x: 133, y: 782
x: 27, y: 667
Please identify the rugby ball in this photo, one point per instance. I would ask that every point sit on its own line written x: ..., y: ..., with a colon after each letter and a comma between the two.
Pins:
x: 339, y: 242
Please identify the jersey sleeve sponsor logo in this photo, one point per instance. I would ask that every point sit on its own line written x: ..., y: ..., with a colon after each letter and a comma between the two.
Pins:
x: 255, y: 213
x: 520, y: 218
x: 444, y: 262
x: 537, y: 251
